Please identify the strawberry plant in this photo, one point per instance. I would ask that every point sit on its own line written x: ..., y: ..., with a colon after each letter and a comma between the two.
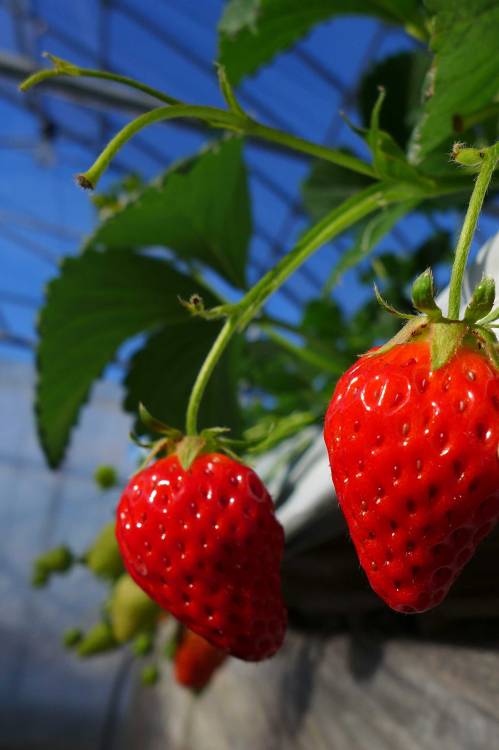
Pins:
x: 412, y: 426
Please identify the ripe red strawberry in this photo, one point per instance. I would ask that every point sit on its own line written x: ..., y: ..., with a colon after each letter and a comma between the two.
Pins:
x: 414, y: 460
x: 196, y: 660
x: 204, y: 543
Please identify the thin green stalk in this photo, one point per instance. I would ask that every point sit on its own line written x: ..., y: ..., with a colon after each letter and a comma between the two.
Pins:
x: 307, y: 147
x: 340, y: 218
x: 468, y: 229
x: 336, y: 221
x: 90, y: 178
x: 213, y: 116
x: 205, y: 372
x: 306, y: 355
x: 63, y: 68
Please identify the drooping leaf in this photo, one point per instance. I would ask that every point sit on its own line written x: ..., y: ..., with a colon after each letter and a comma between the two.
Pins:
x: 252, y: 32
x: 402, y: 77
x: 327, y: 185
x: 389, y: 160
x: 162, y: 374
x: 99, y: 300
x: 464, y: 77
x: 200, y: 209
x: 370, y: 234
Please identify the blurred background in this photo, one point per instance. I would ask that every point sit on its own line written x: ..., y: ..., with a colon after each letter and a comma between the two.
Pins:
x: 49, y: 699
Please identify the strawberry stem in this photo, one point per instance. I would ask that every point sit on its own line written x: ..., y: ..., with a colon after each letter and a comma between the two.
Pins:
x: 198, y: 389
x: 489, y: 157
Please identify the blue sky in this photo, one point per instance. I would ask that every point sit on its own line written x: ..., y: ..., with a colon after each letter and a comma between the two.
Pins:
x: 43, y: 215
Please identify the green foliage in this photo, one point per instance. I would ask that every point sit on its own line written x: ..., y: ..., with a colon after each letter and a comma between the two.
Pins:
x: 464, y: 77
x: 197, y: 216
x: 252, y: 32
x: 199, y: 209
x: 98, y: 301
x: 402, y: 77
x: 163, y: 371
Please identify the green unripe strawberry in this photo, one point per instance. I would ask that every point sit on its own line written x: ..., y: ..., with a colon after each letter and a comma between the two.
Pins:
x: 103, y: 557
x: 142, y: 645
x: 72, y: 637
x: 149, y: 675
x: 131, y: 610
x: 106, y: 477
x: 100, y: 638
x: 57, y: 560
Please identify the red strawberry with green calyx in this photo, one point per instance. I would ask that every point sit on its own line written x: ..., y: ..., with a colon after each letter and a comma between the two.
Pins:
x: 198, y: 533
x: 412, y: 433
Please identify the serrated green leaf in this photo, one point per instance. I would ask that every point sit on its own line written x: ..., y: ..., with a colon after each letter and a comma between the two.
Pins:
x: 200, y: 209
x: 162, y: 374
x: 254, y: 31
x: 369, y: 236
x: 464, y: 77
x: 237, y: 15
x: 98, y: 301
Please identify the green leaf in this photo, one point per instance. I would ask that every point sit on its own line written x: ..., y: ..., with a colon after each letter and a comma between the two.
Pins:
x: 252, y: 32
x: 368, y: 238
x: 402, y: 77
x: 464, y: 77
x: 328, y: 185
x: 199, y: 208
x: 389, y: 160
x: 162, y: 374
x: 237, y: 15
x: 98, y: 301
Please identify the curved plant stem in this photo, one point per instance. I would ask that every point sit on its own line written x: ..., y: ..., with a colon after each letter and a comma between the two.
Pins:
x: 336, y: 221
x: 91, y: 177
x: 205, y: 372
x: 294, y: 143
x: 468, y: 230
x: 63, y: 68
x: 218, y: 118
x: 213, y: 116
x: 308, y: 356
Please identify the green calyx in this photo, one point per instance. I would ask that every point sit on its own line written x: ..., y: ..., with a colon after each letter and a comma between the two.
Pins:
x: 186, y: 447
x: 423, y: 295
x: 482, y: 301
x: 446, y: 336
